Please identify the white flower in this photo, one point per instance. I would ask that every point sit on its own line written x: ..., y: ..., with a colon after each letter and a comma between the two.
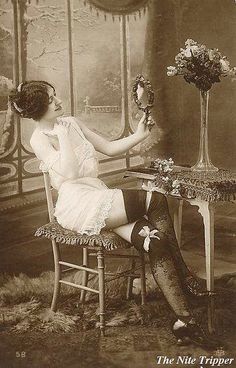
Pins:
x: 176, y: 184
x: 196, y: 50
x: 167, y: 169
x: 165, y: 179
x: 176, y: 188
x: 190, y: 50
x: 172, y: 71
x: 211, y: 54
x: 164, y: 166
x: 232, y: 72
x: 189, y: 42
x: 225, y: 67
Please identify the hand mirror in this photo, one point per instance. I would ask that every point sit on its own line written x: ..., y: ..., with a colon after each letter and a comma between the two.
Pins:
x: 144, y: 97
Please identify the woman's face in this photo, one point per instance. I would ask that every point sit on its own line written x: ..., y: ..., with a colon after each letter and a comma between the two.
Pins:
x: 55, y: 108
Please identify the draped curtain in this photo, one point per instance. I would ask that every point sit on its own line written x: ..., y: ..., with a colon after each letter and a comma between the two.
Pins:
x: 119, y: 7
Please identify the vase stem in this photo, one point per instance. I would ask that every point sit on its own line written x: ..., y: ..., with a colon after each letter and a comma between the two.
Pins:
x: 204, y: 163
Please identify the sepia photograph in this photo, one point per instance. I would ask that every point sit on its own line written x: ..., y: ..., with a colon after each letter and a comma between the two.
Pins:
x: 117, y: 183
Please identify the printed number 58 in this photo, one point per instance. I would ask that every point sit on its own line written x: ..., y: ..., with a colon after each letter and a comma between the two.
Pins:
x: 20, y: 354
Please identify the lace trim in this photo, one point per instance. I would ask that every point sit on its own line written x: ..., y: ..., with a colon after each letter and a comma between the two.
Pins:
x: 102, y: 215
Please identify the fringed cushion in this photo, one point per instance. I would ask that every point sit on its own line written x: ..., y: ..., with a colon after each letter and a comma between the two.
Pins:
x: 107, y: 239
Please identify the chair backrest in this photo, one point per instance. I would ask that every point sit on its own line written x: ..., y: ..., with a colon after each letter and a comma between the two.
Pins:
x: 48, y: 190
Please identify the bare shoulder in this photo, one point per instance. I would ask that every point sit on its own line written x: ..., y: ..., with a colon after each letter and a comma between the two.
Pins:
x: 37, y: 138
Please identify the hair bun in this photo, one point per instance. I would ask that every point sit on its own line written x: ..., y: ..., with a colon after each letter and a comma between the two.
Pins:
x: 30, y: 99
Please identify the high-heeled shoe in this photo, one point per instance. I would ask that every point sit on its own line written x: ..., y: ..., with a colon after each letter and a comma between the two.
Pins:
x: 191, y: 331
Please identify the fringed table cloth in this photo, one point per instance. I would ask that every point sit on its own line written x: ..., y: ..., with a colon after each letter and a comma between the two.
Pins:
x: 205, y: 186
x: 211, y: 187
x: 200, y: 189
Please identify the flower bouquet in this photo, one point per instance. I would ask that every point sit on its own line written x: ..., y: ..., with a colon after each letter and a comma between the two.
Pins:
x: 164, y: 167
x: 202, y: 67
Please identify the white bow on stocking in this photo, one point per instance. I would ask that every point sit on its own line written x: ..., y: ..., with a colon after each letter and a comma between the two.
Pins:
x: 148, y: 234
x: 149, y: 187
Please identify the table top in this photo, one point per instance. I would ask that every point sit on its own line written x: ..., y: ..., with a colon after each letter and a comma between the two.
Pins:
x: 208, y: 186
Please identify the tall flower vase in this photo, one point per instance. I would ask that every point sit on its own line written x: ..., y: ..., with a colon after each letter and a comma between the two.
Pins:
x: 204, y: 163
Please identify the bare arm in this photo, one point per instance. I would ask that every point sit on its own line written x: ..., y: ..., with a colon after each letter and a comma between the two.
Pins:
x: 66, y: 162
x: 119, y: 146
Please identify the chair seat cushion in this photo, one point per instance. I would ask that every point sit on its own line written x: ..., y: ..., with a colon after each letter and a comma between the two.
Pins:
x: 107, y: 238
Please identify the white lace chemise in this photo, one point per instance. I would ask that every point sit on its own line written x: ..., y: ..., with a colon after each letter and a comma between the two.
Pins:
x: 84, y: 203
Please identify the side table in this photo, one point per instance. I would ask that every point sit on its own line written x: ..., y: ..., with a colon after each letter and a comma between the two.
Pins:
x: 200, y: 189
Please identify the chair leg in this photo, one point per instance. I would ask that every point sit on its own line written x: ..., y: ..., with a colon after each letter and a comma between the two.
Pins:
x: 57, y: 275
x: 101, y: 284
x: 143, y: 278
x: 130, y: 280
x: 85, y: 275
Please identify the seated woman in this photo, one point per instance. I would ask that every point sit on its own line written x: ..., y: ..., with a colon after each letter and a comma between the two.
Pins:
x: 67, y: 149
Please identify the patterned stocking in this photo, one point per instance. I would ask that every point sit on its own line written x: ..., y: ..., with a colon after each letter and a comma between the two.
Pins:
x: 147, y: 237
x: 158, y: 215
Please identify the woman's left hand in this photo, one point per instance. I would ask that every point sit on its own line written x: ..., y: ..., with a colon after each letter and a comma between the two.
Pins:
x: 144, y: 126
x: 60, y: 129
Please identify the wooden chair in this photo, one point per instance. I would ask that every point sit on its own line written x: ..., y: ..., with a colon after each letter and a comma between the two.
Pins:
x: 100, y: 246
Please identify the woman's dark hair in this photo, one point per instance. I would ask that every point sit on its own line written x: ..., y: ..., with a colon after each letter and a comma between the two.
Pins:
x: 30, y: 99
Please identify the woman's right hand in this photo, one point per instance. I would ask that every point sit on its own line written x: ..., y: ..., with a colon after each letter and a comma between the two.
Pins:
x: 144, y: 126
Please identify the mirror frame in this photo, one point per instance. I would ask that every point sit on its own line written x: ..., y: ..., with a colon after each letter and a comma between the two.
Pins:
x: 146, y: 84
